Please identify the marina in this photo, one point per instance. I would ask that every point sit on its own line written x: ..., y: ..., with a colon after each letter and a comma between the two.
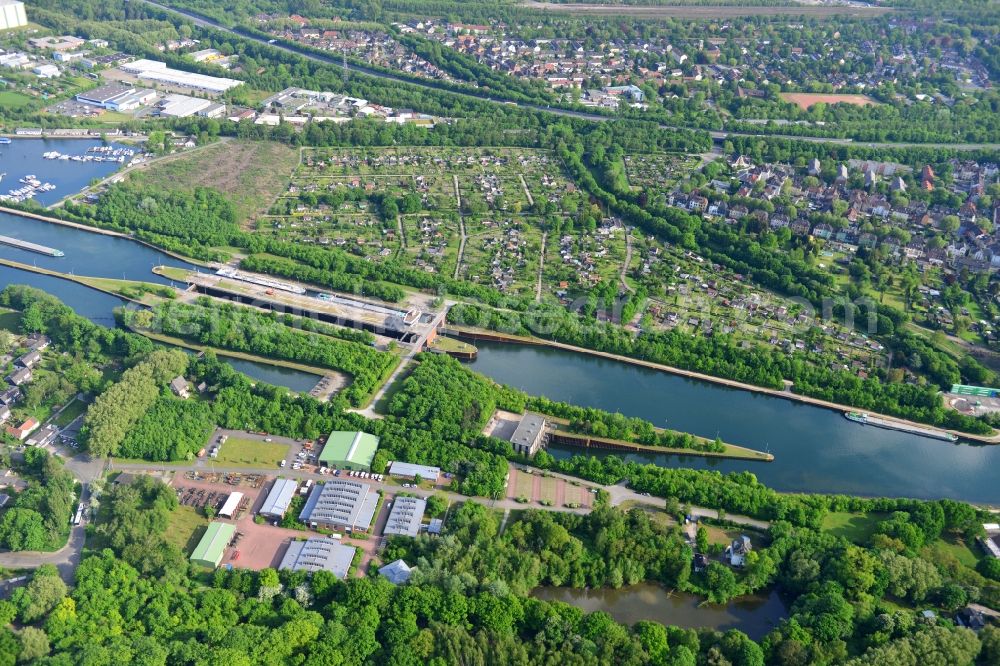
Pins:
x: 31, y: 186
x: 31, y: 247
x: 866, y: 419
x: 61, y: 166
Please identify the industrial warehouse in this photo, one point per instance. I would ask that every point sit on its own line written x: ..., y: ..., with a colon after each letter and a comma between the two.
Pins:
x: 340, y: 504
x: 349, y: 450
x: 406, y: 516
x: 318, y: 554
x: 158, y: 72
x: 279, y: 499
x: 211, y: 548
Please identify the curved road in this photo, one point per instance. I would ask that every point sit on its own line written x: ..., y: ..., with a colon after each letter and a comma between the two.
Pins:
x: 717, y: 135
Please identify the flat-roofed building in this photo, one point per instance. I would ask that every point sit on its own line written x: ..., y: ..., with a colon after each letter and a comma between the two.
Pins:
x: 213, y: 110
x: 47, y: 71
x: 411, y: 471
x: 103, y: 95
x: 340, y: 504
x: 228, y: 509
x: 278, y: 499
x: 529, y: 434
x: 349, y: 450
x: 64, y: 43
x: 154, y: 70
x: 133, y: 100
x: 12, y: 14
x: 181, y: 106
x: 211, y: 548
x: 406, y: 515
x: 318, y: 554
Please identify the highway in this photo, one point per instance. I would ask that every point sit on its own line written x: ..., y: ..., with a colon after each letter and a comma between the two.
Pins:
x: 717, y: 135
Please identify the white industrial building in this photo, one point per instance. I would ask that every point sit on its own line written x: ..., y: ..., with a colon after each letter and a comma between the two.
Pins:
x: 279, y: 499
x: 412, y: 471
x: 14, y: 60
x: 228, y: 509
x: 47, y: 71
x: 12, y: 14
x: 154, y: 70
x: 319, y: 554
x: 182, y: 106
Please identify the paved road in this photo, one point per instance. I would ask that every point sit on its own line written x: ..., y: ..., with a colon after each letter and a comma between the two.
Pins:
x: 416, y: 348
x: 618, y: 494
x: 716, y: 135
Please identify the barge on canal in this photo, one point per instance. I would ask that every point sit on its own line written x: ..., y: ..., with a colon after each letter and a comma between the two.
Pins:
x: 31, y: 247
x: 865, y: 419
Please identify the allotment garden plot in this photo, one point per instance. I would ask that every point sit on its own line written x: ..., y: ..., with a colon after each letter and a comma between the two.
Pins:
x: 477, y: 214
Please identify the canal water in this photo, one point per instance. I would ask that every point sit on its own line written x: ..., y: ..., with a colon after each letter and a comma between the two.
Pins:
x: 815, y: 449
x: 754, y: 616
x: 86, y: 252
x: 22, y: 157
x: 96, y: 255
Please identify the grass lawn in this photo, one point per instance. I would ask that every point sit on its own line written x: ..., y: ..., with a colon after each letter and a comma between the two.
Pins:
x: 185, y: 528
x: 72, y: 411
x: 251, y: 453
x: 854, y: 527
x: 14, y: 101
x: 10, y: 320
x: 957, y: 549
x: 251, y: 173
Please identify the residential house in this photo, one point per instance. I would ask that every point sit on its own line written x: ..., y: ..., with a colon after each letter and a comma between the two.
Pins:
x: 180, y: 387
x: 19, y: 377
x: 738, y: 550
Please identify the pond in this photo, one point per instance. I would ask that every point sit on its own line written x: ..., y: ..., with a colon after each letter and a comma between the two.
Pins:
x: 754, y: 615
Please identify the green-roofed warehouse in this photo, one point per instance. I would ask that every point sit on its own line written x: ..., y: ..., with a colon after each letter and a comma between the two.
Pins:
x: 349, y: 450
x: 209, y: 551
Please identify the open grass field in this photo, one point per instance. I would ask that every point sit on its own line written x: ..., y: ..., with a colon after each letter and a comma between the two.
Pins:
x: 806, y: 100
x: 185, y: 528
x: 854, y: 527
x: 253, y: 173
x: 251, y: 453
x: 13, y: 101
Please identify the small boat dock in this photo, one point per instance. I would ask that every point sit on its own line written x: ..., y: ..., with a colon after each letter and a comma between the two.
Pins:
x: 31, y: 247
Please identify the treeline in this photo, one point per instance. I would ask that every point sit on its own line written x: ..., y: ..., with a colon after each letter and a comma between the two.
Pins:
x: 599, y: 423
x: 346, y: 282
x: 114, y: 414
x: 203, y: 216
x: 241, y: 329
x: 44, y: 313
x: 172, y: 429
x: 39, y: 516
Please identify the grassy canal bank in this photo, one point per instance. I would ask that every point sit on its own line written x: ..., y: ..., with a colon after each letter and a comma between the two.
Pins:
x: 135, y: 291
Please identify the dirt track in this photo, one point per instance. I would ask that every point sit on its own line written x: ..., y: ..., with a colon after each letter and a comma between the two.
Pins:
x: 705, y: 12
